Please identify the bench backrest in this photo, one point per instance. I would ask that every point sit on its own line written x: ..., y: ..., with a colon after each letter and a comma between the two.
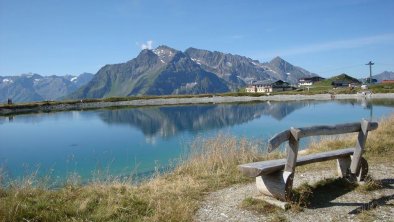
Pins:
x: 293, y: 135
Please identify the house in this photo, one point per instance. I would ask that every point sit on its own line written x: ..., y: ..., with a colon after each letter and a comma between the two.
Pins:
x: 268, y: 86
x: 343, y: 83
x: 368, y: 81
x: 309, y: 81
x: 340, y: 83
x: 251, y: 89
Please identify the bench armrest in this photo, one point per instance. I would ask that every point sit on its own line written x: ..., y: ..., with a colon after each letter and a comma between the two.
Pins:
x: 281, y: 137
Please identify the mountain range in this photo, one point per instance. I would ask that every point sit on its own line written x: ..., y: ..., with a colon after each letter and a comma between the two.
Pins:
x: 165, y: 70
x: 386, y: 75
x: 240, y: 70
x: 34, y: 87
x: 160, y: 71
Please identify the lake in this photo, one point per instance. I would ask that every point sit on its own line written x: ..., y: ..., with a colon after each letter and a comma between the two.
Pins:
x: 120, y: 142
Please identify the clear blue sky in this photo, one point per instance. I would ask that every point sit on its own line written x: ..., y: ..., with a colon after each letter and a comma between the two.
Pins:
x: 74, y: 36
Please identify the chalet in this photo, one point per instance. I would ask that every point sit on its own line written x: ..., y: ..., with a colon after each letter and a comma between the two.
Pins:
x: 343, y: 83
x: 309, y: 81
x: 267, y: 86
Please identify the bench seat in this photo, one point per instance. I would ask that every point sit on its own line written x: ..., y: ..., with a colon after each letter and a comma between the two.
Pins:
x: 266, y: 167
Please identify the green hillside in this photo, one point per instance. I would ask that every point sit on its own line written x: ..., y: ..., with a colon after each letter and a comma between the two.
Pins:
x: 325, y: 86
x: 341, y: 77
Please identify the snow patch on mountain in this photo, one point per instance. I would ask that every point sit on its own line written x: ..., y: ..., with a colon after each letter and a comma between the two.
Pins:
x: 8, y: 81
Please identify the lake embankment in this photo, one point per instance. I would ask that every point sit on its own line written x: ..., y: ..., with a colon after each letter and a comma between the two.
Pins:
x: 207, y: 186
x: 93, y: 104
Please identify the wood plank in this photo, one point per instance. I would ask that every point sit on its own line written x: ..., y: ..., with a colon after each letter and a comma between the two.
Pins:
x: 265, y: 167
x: 278, y: 184
x: 278, y: 139
x: 281, y: 137
x: 336, y: 129
x: 292, y: 150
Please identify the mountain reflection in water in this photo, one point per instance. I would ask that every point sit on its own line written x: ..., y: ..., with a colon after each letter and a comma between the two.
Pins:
x: 170, y: 120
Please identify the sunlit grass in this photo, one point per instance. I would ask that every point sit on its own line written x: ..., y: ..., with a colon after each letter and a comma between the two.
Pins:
x: 173, y: 196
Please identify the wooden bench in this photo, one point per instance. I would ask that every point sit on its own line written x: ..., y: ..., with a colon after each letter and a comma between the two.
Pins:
x: 275, y: 177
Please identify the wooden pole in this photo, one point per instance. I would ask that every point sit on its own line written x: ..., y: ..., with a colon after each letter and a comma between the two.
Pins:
x: 360, y: 146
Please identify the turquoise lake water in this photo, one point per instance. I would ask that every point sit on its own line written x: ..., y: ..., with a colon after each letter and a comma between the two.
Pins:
x: 128, y: 141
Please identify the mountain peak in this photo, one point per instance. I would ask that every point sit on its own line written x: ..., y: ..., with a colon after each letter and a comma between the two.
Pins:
x: 281, y: 63
x: 192, y: 50
x: 31, y: 75
x: 277, y: 59
x: 165, y: 47
x: 146, y: 54
x: 165, y: 53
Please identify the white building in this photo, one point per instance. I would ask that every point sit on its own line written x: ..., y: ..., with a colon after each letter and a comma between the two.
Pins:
x: 309, y: 81
x: 268, y: 86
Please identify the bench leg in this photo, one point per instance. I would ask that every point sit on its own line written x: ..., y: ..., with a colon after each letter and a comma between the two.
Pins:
x: 343, y: 166
x: 278, y: 185
x: 363, y: 171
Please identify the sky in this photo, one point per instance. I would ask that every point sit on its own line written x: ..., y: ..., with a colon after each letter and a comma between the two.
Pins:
x: 59, y: 37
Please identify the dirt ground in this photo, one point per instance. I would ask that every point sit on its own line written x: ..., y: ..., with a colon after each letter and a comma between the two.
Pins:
x: 336, y: 205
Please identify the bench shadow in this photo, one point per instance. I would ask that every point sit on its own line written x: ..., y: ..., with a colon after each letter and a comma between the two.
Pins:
x: 373, y: 204
x: 323, y: 194
x: 387, y: 183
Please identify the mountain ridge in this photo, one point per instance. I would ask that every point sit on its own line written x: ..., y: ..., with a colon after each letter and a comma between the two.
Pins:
x: 34, y: 87
x: 160, y: 71
x: 165, y: 71
x: 385, y: 75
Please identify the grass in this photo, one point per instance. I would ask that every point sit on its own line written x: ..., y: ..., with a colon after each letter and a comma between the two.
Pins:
x: 50, y: 106
x: 366, y: 216
x: 382, y: 88
x: 262, y: 207
x: 370, y: 184
x: 324, y: 88
x: 173, y: 196
x: 28, y: 105
x: 259, y: 206
x: 91, y: 100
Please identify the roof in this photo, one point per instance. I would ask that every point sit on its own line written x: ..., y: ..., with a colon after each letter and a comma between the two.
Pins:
x: 311, y: 79
x: 263, y: 82
x: 268, y: 82
x: 341, y: 82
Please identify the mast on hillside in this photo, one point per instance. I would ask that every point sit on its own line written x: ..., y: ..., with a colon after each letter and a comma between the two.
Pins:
x: 370, y: 64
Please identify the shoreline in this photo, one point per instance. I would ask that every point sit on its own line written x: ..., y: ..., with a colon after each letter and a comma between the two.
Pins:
x: 180, y: 101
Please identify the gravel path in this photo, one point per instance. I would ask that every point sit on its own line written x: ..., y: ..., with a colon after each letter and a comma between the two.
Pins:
x: 224, y: 205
